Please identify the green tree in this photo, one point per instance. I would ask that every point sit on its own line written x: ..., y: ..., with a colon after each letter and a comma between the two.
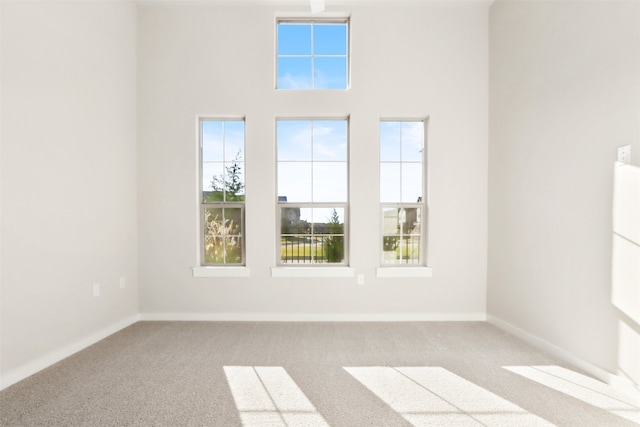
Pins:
x: 334, y: 244
x: 230, y: 183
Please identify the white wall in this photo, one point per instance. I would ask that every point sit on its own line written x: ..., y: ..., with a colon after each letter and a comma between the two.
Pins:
x: 68, y: 176
x: 565, y: 93
x: 409, y: 59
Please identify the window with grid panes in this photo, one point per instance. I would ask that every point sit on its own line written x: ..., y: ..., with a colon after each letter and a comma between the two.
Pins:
x: 313, y: 191
x: 402, y: 185
x: 222, y: 170
x: 312, y: 54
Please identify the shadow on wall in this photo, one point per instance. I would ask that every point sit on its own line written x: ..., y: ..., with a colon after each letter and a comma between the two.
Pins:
x: 625, y: 280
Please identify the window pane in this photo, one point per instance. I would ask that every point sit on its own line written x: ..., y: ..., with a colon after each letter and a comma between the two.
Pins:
x: 294, y: 181
x: 211, y: 140
x: 233, y: 140
x: 234, y: 181
x: 214, y: 221
x: 233, y: 250
x: 221, y: 236
x: 292, y: 222
x: 400, y: 250
x: 330, y: 39
x: 328, y: 220
x: 294, y: 39
x: 233, y: 218
x: 411, y: 182
x: 390, y: 182
x: 294, y: 73
x: 409, y: 250
x: 330, y: 73
x: 212, y: 172
x: 329, y: 223
x: 294, y: 139
x: 296, y: 243
x: 296, y: 249
x: 213, y: 239
x: 330, y: 182
x: 306, y: 215
x: 412, y: 145
x: 330, y: 140
x: 389, y: 141
x: 390, y: 224
x: 401, y: 221
x: 389, y: 247
x: 331, y: 249
x: 393, y: 221
x: 413, y: 220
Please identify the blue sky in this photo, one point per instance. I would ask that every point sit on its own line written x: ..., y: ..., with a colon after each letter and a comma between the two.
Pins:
x: 221, y: 143
x: 312, y: 157
x: 401, y: 150
x: 312, y: 56
x: 312, y: 160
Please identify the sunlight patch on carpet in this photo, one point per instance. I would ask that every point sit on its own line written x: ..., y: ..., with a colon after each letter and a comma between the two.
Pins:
x: 268, y: 396
x: 584, y: 388
x: 435, y: 396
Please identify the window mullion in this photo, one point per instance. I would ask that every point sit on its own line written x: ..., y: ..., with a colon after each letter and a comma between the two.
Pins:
x: 224, y: 231
x: 313, y: 82
x: 401, y: 164
x: 312, y: 160
x: 313, y: 218
x: 224, y: 156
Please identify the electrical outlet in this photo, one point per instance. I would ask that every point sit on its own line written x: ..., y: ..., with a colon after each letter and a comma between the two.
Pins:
x: 96, y: 289
x: 123, y: 283
x: 624, y: 154
x: 360, y: 279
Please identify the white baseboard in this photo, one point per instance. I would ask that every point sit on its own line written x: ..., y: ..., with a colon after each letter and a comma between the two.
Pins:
x: 37, y: 365
x: 316, y: 317
x: 539, y: 343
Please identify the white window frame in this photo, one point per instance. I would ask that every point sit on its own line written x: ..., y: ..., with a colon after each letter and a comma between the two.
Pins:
x: 323, y: 269
x: 418, y: 269
x: 226, y: 269
x: 327, y: 19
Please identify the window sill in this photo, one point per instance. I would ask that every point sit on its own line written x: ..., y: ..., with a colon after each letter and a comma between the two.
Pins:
x: 220, y: 271
x: 403, y: 272
x: 312, y: 272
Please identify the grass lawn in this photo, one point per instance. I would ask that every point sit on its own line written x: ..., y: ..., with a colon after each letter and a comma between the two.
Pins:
x: 297, y: 250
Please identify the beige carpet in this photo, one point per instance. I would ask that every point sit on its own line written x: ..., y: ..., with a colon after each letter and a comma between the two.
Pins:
x: 313, y: 374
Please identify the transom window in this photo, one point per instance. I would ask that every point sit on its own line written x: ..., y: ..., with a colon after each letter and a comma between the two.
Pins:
x: 312, y: 159
x: 401, y: 191
x: 312, y: 54
x: 223, y: 191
